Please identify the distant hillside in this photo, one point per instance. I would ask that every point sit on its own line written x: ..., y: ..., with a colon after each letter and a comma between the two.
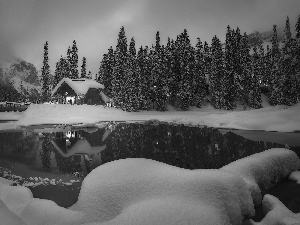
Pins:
x: 256, y: 38
x: 20, y: 76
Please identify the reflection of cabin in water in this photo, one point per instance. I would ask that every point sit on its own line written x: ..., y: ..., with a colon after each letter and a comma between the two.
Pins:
x: 79, y: 91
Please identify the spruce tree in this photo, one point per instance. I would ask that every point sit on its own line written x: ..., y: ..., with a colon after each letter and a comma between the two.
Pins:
x: 45, y: 76
x: 67, y: 64
x: 74, y: 61
x: 246, y: 78
x: 199, y: 81
x: 217, y: 73
x: 186, y: 68
x: 254, y: 91
x: 229, y: 80
x: 298, y: 28
x: 263, y: 76
x: 158, y: 76
x: 131, y: 82
x: 287, y: 31
x: 296, y: 58
x: 290, y: 86
x: 119, y: 69
x: 58, y: 72
x: 83, y: 68
x: 144, y: 72
x: 162, y: 81
x: 277, y: 79
x: 174, y: 75
x: 106, y: 70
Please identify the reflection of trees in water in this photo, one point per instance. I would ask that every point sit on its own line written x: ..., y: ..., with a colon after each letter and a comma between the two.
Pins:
x: 178, y: 145
x: 19, y: 145
x: 46, y: 150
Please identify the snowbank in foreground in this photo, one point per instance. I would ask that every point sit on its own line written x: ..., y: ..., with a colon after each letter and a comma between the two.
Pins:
x: 144, y: 191
x: 277, y: 118
x: 263, y: 170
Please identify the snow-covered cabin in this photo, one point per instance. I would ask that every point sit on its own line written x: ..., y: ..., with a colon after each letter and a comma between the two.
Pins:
x: 79, y: 91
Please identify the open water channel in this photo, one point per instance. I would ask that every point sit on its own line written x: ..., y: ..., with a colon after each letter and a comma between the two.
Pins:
x: 53, y: 160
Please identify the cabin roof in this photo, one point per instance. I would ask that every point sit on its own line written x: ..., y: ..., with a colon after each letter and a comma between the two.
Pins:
x: 80, y: 86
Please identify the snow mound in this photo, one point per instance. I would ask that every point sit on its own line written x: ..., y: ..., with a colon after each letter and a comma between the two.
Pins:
x: 263, y: 170
x: 143, y: 191
x: 277, y: 213
x: 295, y: 176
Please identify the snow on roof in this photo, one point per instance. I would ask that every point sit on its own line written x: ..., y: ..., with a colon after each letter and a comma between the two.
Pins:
x: 80, y: 86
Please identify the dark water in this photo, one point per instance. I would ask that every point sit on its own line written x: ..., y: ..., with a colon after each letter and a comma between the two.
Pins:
x: 52, y: 161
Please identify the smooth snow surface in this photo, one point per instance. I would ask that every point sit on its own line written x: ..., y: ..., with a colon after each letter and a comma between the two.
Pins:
x: 262, y: 170
x: 295, y: 176
x: 277, y: 213
x: 275, y: 118
x: 143, y: 191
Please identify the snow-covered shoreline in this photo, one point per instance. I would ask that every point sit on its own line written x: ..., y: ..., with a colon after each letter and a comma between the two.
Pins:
x: 272, y: 118
x: 213, y: 192
x: 145, y: 191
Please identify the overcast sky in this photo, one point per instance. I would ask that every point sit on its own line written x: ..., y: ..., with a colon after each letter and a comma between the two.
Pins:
x: 25, y: 25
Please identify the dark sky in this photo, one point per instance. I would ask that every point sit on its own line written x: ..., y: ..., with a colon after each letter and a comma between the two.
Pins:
x: 25, y: 25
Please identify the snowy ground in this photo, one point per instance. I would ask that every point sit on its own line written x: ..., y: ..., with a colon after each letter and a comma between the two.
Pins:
x: 149, y: 192
x: 145, y: 191
x: 276, y: 118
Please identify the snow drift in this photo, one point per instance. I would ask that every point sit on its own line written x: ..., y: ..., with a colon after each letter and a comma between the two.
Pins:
x: 263, y: 170
x: 143, y: 191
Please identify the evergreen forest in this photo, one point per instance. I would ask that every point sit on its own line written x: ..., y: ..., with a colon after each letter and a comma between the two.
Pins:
x: 181, y: 75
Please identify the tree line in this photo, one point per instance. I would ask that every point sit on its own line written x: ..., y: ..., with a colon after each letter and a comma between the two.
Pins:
x: 66, y: 67
x: 183, y: 75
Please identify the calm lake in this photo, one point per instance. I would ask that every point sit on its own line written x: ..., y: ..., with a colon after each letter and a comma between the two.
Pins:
x: 53, y: 160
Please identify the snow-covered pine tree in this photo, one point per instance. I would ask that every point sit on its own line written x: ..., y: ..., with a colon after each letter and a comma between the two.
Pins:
x: 131, y: 86
x: 119, y: 69
x: 155, y: 57
x: 162, y: 88
x: 238, y: 55
x: 174, y: 75
x: 296, y: 58
x: 74, y: 61
x: 45, y: 76
x: 198, y: 84
x: 263, y: 76
x: 58, y: 72
x: 254, y: 91
x: 140, y: 69
x: 246, y: 78
x: 207, y: 58
x: 159, y: 76
x: 106, y: 70
x: 290, y: 87
x: 268, y: 69
x: 144, y: 68
x: 287, y: 31
x: 277, y: 79
x: 217, y: 73
x: 83, y: 68
x: 186, y: 63
x: 297, y: 26
x: 67, y: 64
x: 229, y: 80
